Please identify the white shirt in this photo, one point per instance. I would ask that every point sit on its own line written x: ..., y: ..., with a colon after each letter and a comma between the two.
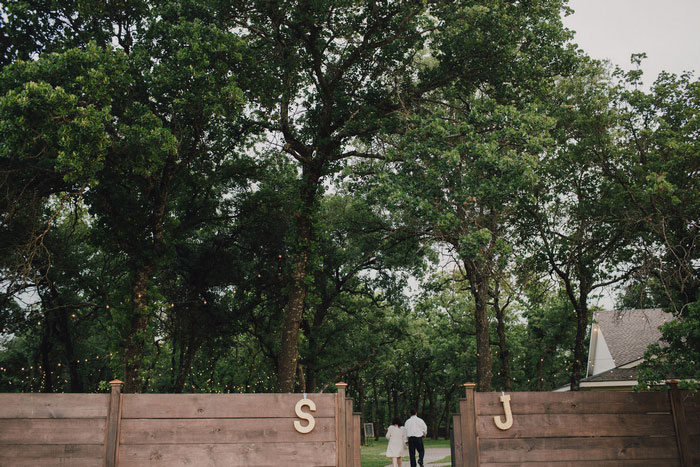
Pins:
x: 416, y: 427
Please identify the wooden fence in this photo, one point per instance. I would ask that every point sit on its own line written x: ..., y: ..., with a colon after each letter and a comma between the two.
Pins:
x: 612, y: 428
x: 179, y: 429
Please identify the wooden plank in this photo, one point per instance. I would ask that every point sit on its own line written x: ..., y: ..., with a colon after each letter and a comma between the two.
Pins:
x: 577, y: 449
x: 350, y: 452
x: 112, y: 427
x: 680, y: 424
x: 695, y: 449
x: 568, y: 425
x: 51, y: 455
x: 221, y: 405
x: 457, y: 437
x: 616, y: 402
x: 692, y: 417
x: 340, y: 425
x: 467, y: 408
x: 357, y: 438
x: 320, y: 454
x: 52, y: 431
x: 651, y: 462
x: 54, y: 405
x: 221, y: 431
x: 691, y: 400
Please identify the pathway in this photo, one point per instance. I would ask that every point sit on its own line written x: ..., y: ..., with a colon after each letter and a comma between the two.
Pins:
x: 432, y: 455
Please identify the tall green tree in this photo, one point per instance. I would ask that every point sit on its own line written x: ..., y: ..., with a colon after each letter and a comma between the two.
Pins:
x: 459, y: 176
x: 329, y: 74
x: 657, y: 172
x: 574, y: 213
x: 133, y: 128
x: 334, y: 75
x: 462, y: 159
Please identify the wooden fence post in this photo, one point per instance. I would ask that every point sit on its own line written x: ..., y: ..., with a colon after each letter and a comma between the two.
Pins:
x: 467, y: 409
x: 113, y: 415
x: 679, y: 422
x: 340, y: 426
x: 357, y: 438
x: 349, y: 438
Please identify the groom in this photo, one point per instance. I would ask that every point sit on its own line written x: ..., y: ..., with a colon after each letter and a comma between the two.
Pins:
x: 416, y: 430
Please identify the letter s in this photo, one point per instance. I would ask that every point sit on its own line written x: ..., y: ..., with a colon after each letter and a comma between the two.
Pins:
x: 305, y: 416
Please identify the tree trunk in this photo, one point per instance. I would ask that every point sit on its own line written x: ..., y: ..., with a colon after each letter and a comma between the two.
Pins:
x: 289, y: 353
x: 395, y: 400
x: 185, y: 362
x: 501, y: 329
x: 375, y: 408
x: 446, y: 412
x: 432, y: 415
x: 484, y: 372
x: 540, y: 373
x: 76, y: 385
x: 579, y: 346
x: 135, y: 344
x: 45, y: 348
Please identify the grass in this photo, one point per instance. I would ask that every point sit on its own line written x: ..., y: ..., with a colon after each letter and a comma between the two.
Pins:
x: 372, y: 453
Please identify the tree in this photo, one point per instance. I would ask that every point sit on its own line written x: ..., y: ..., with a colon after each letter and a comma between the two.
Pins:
x: 573, y: 215
x: 460, y: 160
x: 131, y: 129
x: 657, y: 172
x: 329, y: 74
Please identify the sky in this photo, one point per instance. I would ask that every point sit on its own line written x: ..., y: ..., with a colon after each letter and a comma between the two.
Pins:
x: 667, y: 30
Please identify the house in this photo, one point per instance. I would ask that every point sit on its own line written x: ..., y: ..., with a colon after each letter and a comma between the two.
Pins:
x: 618, y: 342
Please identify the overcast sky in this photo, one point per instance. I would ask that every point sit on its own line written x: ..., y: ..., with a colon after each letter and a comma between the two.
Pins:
x: 667, y: 30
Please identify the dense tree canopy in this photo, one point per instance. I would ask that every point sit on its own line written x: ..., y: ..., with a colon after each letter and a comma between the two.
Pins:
x: 206, y: 196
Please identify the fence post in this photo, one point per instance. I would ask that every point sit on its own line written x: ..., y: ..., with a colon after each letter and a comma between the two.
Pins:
x: 340, y: 426
x: 113, y: 415
x: 679, y: 422
x: 349, y: 422
x: 357, y: 438
x: 470, y: 452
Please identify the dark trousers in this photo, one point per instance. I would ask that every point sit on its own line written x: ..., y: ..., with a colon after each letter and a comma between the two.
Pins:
x: 415, y: 443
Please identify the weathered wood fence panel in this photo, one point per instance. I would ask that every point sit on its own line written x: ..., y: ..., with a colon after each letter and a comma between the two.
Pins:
x: 178, y: 429
x: 52, y: 429
x: 218, y: 429
x: 691, y: 404
x: 578, y: 428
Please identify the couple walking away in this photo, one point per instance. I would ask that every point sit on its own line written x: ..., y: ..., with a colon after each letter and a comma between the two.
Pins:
x: 412, y: 433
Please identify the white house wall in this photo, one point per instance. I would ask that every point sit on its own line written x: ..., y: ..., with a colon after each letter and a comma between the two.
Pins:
x: 603, y: 360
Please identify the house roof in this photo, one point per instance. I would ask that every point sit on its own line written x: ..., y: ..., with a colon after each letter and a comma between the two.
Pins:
x: 628, y: 333
x: 616, y: 374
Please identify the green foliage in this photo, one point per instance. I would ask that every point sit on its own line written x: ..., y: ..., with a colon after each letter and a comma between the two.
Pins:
x: 175, y: 176
x: 677, y: 355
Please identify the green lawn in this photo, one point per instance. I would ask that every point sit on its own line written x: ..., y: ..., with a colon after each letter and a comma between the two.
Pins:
x: 371, y: 456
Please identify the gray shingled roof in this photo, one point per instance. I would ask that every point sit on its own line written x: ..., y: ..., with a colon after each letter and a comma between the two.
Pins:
x: 616, y: 374
x: 628, y: 333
